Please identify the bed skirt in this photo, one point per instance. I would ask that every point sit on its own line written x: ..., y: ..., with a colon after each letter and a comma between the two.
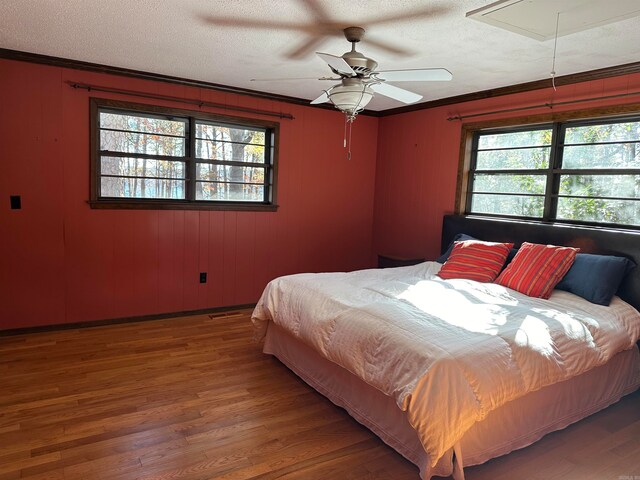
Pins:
x: 515, y: 425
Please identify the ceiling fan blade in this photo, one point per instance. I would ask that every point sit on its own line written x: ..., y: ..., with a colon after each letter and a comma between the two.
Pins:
x: 292, y: 78
x: 415, y: 75
x: 306, y: 48
x: 321, y: 99
x: 387, y: 47
x: 410, y: 15
x: 400, y: 94
x: 337, y: 63
x: 317, y: 10
x: 248, y: 23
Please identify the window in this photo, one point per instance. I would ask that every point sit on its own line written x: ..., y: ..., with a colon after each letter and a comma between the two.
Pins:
x: 149, y: 157
x: 584, y: 172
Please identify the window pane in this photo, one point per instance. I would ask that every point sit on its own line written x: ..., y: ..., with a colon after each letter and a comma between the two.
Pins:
x: 528, y: 158
x: 229, y: 173
x: 221, y: 133
x: 141, y: 188
x: 613, y: 132
x: 510, y: 183
x: 229, y: 191
x: 520, y: 205
x: 601, y: 185
x: 597, y: 210
x: 136, y: 123
x: 531, y: 138
x: 150, y: 144
x: 141, y: 167
x: 616, y: 155
x: 148, y: 155
x: 229, y: 152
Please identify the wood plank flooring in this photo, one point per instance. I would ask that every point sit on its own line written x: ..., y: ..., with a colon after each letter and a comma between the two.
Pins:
x: 194, y: 398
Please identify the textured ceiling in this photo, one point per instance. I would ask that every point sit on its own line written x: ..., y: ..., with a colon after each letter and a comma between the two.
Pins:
x: 229, y: 42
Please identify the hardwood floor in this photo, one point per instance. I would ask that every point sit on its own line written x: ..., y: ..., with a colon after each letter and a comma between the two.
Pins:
x: 194, y: 398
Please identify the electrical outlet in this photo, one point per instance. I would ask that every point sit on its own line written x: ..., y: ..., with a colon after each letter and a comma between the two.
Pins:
x: 203, y: 277
x: 16, y: 202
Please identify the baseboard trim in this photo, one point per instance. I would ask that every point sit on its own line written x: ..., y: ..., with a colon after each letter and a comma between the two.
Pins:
x: 115, y: 321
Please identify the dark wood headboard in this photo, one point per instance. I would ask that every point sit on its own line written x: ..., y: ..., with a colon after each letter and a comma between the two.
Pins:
x: 590, y: 240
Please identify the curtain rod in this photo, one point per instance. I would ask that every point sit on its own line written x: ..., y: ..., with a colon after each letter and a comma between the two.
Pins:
x: 542, y: 105
x: 191, y: 101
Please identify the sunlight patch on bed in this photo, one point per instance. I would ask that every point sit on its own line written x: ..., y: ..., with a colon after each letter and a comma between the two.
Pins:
x: 534, y: 335
x: 456, y: 307
x: 574, y: 326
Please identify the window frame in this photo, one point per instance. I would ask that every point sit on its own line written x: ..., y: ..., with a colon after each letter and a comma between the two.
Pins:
x: 558, y: 122
x: 272, y: 134
x: 541, y: 172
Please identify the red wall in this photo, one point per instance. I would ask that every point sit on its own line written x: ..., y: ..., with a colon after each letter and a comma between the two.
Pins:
x: 64, y: 262
x: 418, y: 156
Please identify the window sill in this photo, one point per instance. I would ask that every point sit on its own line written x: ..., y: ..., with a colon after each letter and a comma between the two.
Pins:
x: 152, y: 205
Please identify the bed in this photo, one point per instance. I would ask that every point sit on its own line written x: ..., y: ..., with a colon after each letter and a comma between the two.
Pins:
x: 474, y: 375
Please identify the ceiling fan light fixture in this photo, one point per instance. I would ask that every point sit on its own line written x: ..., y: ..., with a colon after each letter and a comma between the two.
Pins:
x: 351, y: 99
x: 360, y: 80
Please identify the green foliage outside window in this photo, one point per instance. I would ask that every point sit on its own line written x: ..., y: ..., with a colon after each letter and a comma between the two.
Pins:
x: 597, y: 179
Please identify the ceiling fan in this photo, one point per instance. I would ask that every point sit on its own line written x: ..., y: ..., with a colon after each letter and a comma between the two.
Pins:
x: 359, y: 79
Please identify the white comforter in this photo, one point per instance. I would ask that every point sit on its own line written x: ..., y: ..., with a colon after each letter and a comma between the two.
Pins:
x: 448, y: 351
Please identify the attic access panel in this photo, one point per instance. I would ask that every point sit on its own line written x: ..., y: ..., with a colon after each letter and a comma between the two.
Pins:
x: 537, y: 18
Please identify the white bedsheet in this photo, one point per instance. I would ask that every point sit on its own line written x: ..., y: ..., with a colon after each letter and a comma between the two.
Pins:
x: 448, y: 351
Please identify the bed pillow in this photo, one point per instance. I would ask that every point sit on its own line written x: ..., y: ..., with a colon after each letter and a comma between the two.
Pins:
x: 511, y: 256
x: 536, y: 269
x: 475, y: 260
x: 461, y: 237
x: 596, y: 277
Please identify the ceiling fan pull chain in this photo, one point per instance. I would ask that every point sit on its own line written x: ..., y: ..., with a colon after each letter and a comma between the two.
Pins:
x: 350, y: 129
x: 344, y: 143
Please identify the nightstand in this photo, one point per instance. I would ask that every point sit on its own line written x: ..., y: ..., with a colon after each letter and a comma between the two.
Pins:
x: 389, y: 261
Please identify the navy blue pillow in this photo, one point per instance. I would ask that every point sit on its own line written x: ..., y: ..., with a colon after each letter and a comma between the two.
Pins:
x: 596, y: 277
x: 461, y: 237
x: 512, y: 253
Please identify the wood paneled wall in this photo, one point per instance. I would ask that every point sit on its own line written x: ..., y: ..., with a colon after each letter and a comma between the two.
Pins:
x: 418, y: 155
x: 63, y: 262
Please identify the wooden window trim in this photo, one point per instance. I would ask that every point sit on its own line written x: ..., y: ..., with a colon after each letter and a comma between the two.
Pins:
x: 468, y: 136
x: 271, y: 144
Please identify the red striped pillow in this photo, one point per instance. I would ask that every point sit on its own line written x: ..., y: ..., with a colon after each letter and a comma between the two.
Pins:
x: 536, y: 269
x: 475, y: 260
